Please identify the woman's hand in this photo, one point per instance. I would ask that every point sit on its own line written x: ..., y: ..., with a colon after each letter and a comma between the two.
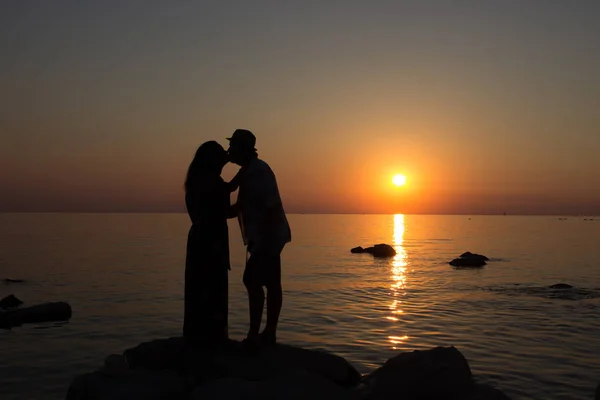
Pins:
x: 233, y: 211
x: 235, y: 182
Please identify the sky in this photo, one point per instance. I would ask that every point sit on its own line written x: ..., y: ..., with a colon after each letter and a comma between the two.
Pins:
x: 486, y: 106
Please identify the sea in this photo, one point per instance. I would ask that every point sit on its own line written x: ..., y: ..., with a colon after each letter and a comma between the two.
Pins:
x: 123, y: 275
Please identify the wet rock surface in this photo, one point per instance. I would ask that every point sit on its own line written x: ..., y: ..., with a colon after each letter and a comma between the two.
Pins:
x: 381, y: 250
x: 167, y: 368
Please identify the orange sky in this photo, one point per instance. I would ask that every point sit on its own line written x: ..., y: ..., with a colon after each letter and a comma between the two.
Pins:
x: 485, y: 108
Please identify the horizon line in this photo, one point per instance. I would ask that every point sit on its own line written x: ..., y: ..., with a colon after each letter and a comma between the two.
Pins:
x: 318, y: 213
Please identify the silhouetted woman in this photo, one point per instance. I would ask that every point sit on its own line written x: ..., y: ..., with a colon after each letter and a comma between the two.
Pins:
x: 207, y: 257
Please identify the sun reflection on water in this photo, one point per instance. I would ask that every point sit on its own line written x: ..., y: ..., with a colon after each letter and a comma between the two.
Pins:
x: 399, y: 264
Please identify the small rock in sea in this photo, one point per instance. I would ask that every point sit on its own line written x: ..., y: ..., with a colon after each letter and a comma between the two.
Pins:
x: 379, y: 250
x: 469, y: 260
x: 561, y: 286
x: 467, y: 263
x: 10, y: 301
x: 9, y: 280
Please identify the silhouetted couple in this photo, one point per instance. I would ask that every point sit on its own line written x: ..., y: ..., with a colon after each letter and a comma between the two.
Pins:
x: 265, y: 231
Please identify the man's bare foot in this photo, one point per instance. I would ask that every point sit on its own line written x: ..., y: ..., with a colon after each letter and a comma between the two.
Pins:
x: 251, y: 345
x: 267, y: 338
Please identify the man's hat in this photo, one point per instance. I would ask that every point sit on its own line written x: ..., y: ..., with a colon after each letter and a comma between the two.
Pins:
x: 242, y: 138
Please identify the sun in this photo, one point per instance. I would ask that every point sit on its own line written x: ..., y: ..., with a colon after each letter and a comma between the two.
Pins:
x: 399, y: 180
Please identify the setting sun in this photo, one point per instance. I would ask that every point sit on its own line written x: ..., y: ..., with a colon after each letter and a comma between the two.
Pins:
x: 399, y: 180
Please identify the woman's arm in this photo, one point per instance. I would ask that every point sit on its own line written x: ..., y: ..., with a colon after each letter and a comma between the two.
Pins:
x: 233, y: 211
x: 233, y: 185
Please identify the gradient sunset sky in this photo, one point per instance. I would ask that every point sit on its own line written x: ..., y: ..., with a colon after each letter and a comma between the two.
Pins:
x: 486, y: 106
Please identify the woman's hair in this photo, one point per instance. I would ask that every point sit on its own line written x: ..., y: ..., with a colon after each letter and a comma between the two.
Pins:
x: 209, y: 158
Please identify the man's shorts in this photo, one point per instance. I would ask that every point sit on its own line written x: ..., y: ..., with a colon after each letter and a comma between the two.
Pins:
x: 263, y: 268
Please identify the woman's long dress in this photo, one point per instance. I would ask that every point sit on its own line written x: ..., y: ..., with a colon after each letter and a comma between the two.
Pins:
x: 207, y: 263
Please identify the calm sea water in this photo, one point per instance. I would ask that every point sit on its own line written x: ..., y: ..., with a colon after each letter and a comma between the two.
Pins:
x: 123, y: 275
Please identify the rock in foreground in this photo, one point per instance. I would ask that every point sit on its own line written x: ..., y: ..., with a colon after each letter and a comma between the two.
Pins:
x: 166, y: 369
x: 379, y: 250
x: 437, y: 373
x: 230, y: 360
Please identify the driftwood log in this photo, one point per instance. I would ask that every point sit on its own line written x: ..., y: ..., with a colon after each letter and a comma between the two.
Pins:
x: 57, y: 311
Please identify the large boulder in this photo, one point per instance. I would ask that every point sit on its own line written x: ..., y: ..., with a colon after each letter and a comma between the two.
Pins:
x: 10, y: 301
x: 140, y: 384
x: 229, y: 360
x: 379, y: 250
x: 167, y: 369
x: 293, y: 385
x: 275, y: 360
x: 157, y: 355
x: 485, y: 392
x: 439, y: 373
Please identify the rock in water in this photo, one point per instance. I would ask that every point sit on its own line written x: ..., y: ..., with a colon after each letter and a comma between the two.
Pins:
x: 439, y: 373
x: 561, y: 286
x: 469, y: 260
x: 467, y: 263
x: 379, y: 250
x: 58, y: 311
x: 468, y: 254
x: 8, y: 280
x: 383, y: 250
x: 10, y: 301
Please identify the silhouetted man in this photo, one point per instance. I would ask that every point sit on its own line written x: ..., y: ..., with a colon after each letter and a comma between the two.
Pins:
x: 265, y: 231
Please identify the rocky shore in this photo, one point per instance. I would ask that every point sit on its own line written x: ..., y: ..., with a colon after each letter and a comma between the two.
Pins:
x: 166, y: 369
